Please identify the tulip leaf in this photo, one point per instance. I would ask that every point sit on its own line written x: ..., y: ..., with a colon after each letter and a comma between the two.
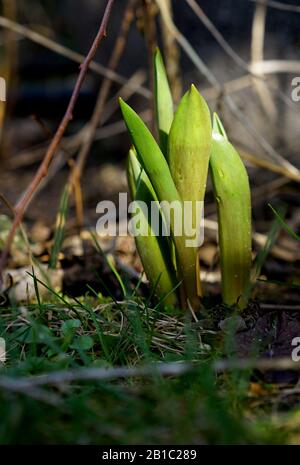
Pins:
x: 218, y: 127
x: 153, y: 248
x: 163, y: 101
x: 190, y: 146
x: 157, y: 169
x: 232, y: 194
x: 189, y: 150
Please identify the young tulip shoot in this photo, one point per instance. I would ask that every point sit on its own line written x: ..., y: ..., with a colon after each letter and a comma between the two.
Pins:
x: 157, y: 169
x: 232, y: 194
x: 153, y: 249
x: 189, y: 150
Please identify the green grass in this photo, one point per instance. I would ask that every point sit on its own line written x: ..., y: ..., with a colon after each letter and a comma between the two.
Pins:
x: 197, y: 408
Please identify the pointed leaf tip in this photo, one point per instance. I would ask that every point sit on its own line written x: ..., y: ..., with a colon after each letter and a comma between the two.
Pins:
x: 218, y: 127
x: 163, y: 100
x: 157, y: 53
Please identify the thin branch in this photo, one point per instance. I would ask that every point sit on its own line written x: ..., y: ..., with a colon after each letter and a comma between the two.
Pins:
x: 203, y: 68
x: 257, y: 54
x: 260, y: 239
x: 280, y: 307
x: 72, y: 142
x: 66, y: 52
x: 172, y: 57
x: 23, y: 203
x: 217, y: 35
x: 276, y: 66
x: 186, y: 46
x: 150, y: 33
x: 38, y: 394
x: 98, y: 112
x: 279, y: 5
x: 269, y: 165
x: 25, y: 384
x: 256, y: 68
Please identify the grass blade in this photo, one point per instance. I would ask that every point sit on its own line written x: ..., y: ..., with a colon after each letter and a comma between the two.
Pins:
x: 284, y: 224
x: 60, y: 226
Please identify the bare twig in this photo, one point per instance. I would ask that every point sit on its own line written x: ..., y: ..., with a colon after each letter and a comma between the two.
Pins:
x: 23, y: 203
x: 66, y: 52
x: 261, y: 240
x: 95, y: 121
x: 279, y: 5
x: 8, y: 65
x: 72, y: 142
x: 257, y: 67
x: 217, y: 35
x: 257, y: 54
x: 172, y: 57
x: 57, y: 378
x: 149, y: 27
x: 203, y: 68
x: 38, y: 394
x: 267, y: 164
x: 280, y: 307
x: 276, y: 66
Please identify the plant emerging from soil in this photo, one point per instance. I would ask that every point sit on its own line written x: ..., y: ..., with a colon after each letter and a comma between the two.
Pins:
x: 174, y: 171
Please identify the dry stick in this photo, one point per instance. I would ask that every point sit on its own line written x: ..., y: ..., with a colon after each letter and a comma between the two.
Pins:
x: 203, y: 68
x: 26, y: 384
x: 257, y: 54
x: 117, y: 53
x: 277, y: 307
x: 72, y: 142
x: 270, y: 189
x: 265, y: 67
x: 65, y: 51
x: 8, y: 68
x: 279, y: 5
x: 258, y: 68
x: 267, y: 164
x: 276, y: 66
x: 260, y: 239
x: 149, y: 13
x: 172, y: 57
x: 23, y: 203
x: 217, y: 35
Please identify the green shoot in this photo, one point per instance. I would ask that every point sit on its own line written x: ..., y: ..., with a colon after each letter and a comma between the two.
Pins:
x: 157, y: 169
x: 232, y: 194
x: 153, y: 249
x: 163, y: 101
x: 189, y: 151
x: 175, y: 175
